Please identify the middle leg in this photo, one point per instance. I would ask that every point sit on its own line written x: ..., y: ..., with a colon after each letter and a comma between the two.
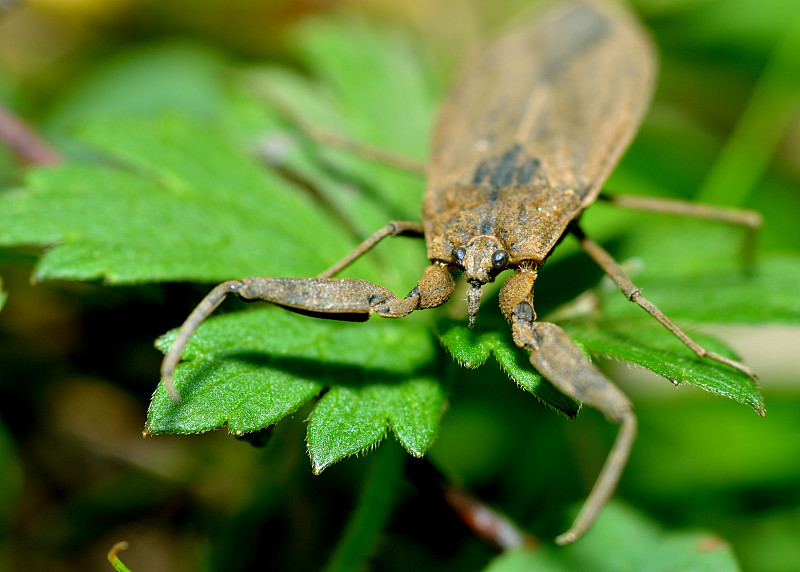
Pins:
x: 748, y: 219
x: 613, y: 269
x: 394, y: 228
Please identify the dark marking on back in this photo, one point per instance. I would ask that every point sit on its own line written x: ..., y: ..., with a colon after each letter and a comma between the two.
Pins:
x: 481, y: 173
x: 493, y: 195
x: 514, y: 167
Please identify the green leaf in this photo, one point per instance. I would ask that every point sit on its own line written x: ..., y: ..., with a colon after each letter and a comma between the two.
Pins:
x: 471, y: 347
x: 645, y: 342
x: 172, y: 76
x: 189, y: 206
x: 413, y: 409
x: 624, y: 332
x: 346, y: 422
x: 181, y: 199
x: 725, y: 296
x: 251, y: 369
x: 622, y: 539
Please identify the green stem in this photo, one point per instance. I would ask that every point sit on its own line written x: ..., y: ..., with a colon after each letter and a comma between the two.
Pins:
x: 748, y: 151
x: 372, y: 511
x: 114, y: 559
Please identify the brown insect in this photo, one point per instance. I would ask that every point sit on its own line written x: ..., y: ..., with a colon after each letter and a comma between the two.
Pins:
x: 525, y: 141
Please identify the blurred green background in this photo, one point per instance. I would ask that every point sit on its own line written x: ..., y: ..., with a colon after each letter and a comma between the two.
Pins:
x: 77, y: 366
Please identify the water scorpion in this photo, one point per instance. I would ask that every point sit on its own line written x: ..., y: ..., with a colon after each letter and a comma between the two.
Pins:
x: 529, y: 133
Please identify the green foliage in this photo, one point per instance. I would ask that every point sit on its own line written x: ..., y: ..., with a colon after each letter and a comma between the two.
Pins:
x: 625, y: 540
x: 240, y: 374
x: 372, y: 512
x: 659, y: 351
x: 173, y: 187
x: 471, y: 348
x: 114, y: 560
x: 180, y: 192
x: 176, y: 199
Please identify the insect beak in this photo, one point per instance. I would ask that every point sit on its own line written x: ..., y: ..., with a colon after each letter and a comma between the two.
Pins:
x: 473, y: 301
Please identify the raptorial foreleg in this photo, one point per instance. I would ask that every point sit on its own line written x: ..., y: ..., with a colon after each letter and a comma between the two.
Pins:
x: 561, y: 362
x: 332, y: 298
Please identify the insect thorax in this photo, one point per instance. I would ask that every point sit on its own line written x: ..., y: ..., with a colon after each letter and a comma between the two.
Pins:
x: 526, y: 220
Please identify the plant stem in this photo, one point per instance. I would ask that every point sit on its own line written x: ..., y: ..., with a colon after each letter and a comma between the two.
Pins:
x: 28, y: 146
x: 114, y: 559
x: 372, y: 511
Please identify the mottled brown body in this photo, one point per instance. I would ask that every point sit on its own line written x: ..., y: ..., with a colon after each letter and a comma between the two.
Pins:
x: 525, y: 141
x: 533, y: 127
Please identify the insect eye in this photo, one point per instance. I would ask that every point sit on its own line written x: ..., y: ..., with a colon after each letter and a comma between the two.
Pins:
x: 459, y: 254
x: 499, y: 259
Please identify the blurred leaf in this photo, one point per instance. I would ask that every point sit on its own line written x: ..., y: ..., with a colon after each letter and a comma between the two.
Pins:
x: 188, y: 206
x: 721, y: 454
x: 349, y: 92
x: 10, y: 477
x: 375, y: 503
x: 693, y: 272
x: 170, y: 77
x: 118, y: 565
x: 740, y: 24
x: 622, y: 539
x: 11, y: 490
x: 763, y: 123
x: 730, y: 297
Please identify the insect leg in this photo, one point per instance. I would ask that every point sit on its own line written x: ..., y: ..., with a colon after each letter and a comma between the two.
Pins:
x: 394, y: 228
x: 334, y: 139
x: 632, y: 292
x: 750, y: 220
x: 560, y: 361
x: 204, y: 309
x: 335, y: 298
x: 366, y: 151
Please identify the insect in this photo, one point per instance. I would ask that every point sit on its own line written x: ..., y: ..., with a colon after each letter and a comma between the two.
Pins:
x: 524, y: 142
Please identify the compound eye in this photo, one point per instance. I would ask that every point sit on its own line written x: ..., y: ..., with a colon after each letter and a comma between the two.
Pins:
x: 459, y: 254
x: 499, y: 259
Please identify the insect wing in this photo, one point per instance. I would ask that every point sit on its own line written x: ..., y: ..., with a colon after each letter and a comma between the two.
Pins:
x: 564, y: 93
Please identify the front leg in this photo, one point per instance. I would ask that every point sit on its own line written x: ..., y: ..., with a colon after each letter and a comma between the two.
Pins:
x: 560, y: 361
x: 333, y: 298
